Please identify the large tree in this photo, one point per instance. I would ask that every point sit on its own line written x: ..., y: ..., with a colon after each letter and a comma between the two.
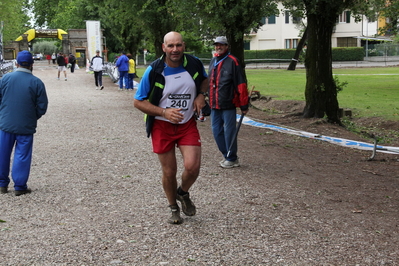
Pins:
x: 121, y: 24
x: 321, y: 88
x: 158, y: 19
x: 14, y: 19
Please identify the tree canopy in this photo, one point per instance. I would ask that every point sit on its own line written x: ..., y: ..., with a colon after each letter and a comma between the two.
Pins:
x: 14, y: 18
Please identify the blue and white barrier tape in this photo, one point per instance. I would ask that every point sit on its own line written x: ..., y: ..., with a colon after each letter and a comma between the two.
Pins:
x: 338, y: 141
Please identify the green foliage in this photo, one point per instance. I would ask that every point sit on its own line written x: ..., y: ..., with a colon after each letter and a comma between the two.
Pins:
x: 150, y: 57
x: 347, y: 54
x: 339, y: 85
x: 269, y: 54
x: 45, y: 47
x: 193, y: 44
x: 14, y: 18
x: 390, y: 10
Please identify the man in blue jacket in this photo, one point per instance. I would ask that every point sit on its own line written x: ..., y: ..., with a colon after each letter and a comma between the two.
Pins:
x: 123, y: 67
x: 23, y: 100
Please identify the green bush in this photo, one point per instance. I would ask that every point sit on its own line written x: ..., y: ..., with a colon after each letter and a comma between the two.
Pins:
x: 347, y: 54
x: 150, y: 57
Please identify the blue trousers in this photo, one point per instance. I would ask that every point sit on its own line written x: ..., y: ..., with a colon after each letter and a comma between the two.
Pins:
x: 22, y: 159
x: 123, y: 79
x: 130, y: 80
x: 223, y: 129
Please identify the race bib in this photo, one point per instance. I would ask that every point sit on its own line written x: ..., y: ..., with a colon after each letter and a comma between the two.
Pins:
x: 182, y: 101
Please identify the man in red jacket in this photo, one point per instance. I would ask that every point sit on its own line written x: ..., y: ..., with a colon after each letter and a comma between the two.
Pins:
x: 227, y: 91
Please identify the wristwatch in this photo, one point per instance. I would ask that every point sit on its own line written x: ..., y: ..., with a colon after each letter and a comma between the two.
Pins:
x: 203, y: 93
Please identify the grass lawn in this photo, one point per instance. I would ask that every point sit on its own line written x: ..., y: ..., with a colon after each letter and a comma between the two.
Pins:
x: 369, y: 92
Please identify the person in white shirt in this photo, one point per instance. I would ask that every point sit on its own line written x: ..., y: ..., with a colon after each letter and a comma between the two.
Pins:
x: 97, y: 63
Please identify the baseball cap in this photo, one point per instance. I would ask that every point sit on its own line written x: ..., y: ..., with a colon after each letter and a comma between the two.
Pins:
x: 24, y: 58
x: 221, y: 39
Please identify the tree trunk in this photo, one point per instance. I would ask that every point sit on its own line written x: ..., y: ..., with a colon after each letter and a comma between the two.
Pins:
x: 237, y: 48
x: 321, y: 90
x: 298, y: 51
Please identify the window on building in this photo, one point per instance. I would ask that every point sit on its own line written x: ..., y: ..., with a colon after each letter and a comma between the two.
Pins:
x: 287, y: 43
x: 294, y: 43
x: 346, y: 42
x: 271, y: 19
x: 287, y: 16
x: 345, y: 17
x: 291, y: 43
x: 268, y: 20
x: 263, y: 21
x: 247, y: 45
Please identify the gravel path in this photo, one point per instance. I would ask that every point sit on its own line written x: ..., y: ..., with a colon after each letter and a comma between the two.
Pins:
x: 97, y: 197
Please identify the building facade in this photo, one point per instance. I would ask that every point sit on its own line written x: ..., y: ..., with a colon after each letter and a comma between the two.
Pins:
x: 284, y: 30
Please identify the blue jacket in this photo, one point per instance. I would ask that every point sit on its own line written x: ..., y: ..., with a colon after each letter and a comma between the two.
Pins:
x: 23, y: 100
x: 123, y: 63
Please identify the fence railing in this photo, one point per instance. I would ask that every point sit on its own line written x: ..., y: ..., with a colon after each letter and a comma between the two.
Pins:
x: 6, y: 66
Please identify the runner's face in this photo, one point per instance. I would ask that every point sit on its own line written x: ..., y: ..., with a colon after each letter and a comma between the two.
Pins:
x: 221, y: 48
x: 174, y: 49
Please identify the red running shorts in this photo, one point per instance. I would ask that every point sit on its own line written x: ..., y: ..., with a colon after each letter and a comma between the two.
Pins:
x: 166, y: 135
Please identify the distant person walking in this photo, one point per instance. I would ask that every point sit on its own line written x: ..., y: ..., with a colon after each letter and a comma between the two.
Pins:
x: 48, y: 57
x: 61, y: 65
x: 97, y: 64
x: 23, y: 100
x: 72, y: 61
x: 53, y: 58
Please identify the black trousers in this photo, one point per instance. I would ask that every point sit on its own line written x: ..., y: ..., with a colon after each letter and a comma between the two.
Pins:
x: 98, y: 78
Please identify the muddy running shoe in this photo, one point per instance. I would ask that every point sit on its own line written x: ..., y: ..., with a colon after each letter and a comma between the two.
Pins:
x: 175, y: 218
x: 230, y: 164
x: 187, y: 205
